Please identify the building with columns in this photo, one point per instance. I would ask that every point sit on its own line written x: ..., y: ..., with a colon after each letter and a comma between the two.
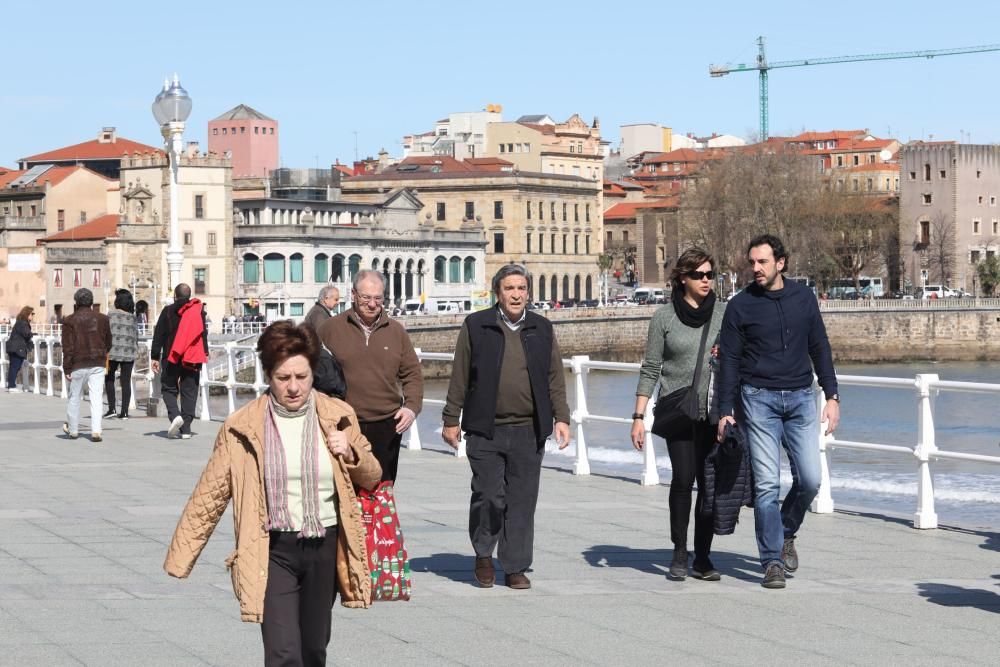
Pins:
x: 552, y: 223
x: 288, y: 249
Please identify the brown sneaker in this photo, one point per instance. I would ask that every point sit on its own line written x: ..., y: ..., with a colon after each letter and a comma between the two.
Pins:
x: 486, y: 576
x: 517, y: 581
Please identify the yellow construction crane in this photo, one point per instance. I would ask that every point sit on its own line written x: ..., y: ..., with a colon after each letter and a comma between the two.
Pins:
x: 763, y: 67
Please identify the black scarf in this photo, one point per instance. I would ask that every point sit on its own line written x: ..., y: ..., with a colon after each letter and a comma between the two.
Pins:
x: 688, y: 314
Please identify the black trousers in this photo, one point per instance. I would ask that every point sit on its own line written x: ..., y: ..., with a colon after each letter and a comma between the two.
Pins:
x: 175, y: 379
x: 125, y: 382
x: 298, y: 600
x: 505, y: 475
x: 385, y: 445
x: 16, y: 361
x: 687, y: 459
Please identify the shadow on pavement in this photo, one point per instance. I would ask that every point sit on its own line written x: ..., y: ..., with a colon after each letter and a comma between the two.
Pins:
x: 956, y: 596
x: 657, y: 561
x: 457, y: 567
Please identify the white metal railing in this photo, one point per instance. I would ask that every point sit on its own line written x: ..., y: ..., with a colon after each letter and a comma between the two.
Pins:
x: 239, y: 355
x: 948, y: 303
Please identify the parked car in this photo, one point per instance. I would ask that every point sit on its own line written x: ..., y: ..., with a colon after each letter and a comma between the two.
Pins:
x: 933, y: 292
x: 567, y: 303
x: 589, y: 303
x: 540, y: 305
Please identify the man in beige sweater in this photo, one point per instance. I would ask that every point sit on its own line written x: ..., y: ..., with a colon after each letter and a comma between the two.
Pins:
x: 385, y: 384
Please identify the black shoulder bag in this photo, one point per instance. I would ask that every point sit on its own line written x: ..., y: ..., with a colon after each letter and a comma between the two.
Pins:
x: 675, y: 414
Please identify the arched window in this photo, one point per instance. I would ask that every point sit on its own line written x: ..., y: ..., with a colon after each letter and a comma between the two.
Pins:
x: 554, y: 292
x: 295, y: 268
x: 321, y: 269
x: 455, y: 270
x: 274, y: 268
x: 251, y: 268
x: 541, y: 288
x: 353, y: 266
x: 565, y: 288
x: 470, y: 270
x: 590, y: 288
x: 576, y: 288
x: 337, y: 266
x: 440, y: 269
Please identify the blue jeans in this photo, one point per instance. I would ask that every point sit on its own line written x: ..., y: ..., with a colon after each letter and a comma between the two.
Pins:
x: 774, y: 418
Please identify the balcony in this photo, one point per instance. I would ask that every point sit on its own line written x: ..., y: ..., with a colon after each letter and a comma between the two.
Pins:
x: 22, y: 222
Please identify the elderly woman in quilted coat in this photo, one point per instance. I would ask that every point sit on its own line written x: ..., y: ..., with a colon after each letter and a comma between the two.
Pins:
x: 290, y: 462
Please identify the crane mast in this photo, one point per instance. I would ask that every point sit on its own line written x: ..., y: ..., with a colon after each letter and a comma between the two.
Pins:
x: 763, y: 66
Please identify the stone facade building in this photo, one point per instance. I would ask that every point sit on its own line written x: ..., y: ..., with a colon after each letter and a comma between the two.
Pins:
x: 552, y: 223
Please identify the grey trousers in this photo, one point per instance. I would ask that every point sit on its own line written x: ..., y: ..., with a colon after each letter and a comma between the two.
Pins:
x: 505, y: 475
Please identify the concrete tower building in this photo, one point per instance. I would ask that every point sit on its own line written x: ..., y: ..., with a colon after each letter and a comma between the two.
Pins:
x: 250, y: 137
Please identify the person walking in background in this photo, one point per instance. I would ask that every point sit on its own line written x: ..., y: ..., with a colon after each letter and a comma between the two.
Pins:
x: 773, y: 338
x: 507, y: 383
x: 675, y: 333
x: 86, y: 341
x: 385, y: 384
x: 180, y: 344
x: 142, y: 317
x: 18, y: 344
x: 322, y: 310
x: 124, y: 349
x: 299, y: 536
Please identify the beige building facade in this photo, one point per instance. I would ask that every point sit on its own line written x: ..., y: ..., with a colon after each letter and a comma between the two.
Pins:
x: 551, y: 223
x: 572, y: 148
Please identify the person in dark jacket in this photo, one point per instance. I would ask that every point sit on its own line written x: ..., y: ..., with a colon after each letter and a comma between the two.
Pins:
x: 176, y: 378
x: 507, y: 382
x: 86, y: 341
x: 322, y: 310
x: 18, y: 344
x: 675, y: 333
x: 773, y: 338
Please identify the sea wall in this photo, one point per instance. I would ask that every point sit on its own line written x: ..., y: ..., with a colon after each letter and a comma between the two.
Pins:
x: 619, y: 334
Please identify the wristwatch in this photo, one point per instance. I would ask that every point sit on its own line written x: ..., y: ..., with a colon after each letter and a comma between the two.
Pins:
x: 638, y: 415
x: 833, y: 397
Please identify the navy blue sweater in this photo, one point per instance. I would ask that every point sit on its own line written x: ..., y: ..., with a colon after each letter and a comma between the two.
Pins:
x: 769, y: 339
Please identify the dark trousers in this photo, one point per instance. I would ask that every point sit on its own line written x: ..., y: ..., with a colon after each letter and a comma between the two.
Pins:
x: 298, y: 600
x: 505, y: 476
x: 385, y: 445
x: 687, y: 459
x: 175, y: 379
x: 16, y: 361
x: 125, y: 382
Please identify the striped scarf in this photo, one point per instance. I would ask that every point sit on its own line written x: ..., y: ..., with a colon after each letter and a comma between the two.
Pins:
x: 276, y: 470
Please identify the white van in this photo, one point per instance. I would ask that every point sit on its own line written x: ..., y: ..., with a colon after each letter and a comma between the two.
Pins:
x: 650, y: 295
x: 933, y: 292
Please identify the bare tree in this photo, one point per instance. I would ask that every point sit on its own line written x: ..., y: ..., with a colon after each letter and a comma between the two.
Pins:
x: 854, y: 231
x: 940, y: 250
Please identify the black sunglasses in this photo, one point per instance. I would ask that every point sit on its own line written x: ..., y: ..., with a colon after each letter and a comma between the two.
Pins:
x: 698, y: 275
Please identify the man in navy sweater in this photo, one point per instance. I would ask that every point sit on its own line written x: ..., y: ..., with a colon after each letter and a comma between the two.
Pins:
x: 772, y: 339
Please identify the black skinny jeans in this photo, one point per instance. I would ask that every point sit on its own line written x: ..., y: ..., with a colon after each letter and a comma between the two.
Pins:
x: 687, y: 459
x: 126, y: 384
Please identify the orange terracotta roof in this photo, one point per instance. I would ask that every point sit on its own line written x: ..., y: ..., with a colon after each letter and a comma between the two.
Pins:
x: 826, y: 136
x: 93, y: 150
x: 685, y: 155
x: 544, y: 129
x: 625, y: 210
x: 100, y: 228
x: 53, y: 176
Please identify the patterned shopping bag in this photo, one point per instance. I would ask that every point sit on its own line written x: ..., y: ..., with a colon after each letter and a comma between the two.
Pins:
x: 387, y: 559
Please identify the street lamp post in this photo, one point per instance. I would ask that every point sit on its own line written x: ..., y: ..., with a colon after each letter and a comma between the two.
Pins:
x: 171, y: 109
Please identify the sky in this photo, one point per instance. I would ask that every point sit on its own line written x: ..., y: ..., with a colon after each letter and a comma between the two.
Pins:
x: 333, y: 73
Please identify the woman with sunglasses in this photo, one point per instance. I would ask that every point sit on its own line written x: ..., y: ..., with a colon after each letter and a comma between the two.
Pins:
x: 675, y: 332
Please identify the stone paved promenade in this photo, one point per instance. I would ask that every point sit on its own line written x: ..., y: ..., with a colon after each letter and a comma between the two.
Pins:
x: 84, y: 528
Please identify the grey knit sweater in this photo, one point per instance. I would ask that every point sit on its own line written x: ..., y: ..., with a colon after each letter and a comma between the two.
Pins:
x: 123, y: 336
x: 671, y: 348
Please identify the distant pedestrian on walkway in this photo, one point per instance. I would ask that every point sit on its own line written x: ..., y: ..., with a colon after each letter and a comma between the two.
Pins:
x: 507, y: 383
x: 86, y: 341
x: 142, y: 316
x: 290, y: 461
x: 18, y: 345
x: 773, y: 338
x: 322, y: 310
x: 124, y: 349
x: 385, y: 383
x: 180, y: 344
x: 675, y: 337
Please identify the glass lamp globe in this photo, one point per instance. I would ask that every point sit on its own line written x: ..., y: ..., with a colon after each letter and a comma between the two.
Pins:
x: 172, y: 105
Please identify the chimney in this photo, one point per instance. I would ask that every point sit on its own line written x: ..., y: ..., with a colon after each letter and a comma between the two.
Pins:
x: 193, y: 149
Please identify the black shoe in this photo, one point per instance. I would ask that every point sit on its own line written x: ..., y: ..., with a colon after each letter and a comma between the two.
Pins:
x: 123, y: 416
x: 679, y: 565
x: 704, y: 570
x: 110, y: 414
x: 774, y: 576
x: 789, y: 555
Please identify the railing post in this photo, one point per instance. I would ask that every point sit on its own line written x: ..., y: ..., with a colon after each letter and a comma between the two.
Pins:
x: 3, y: 355
x: 579, y: 365
x: 926, y: 516
x: 50, y: 344
x: 258, y: 376
x: 650, y: 475
x: 203, y: 382
x: 35, y: 365
x: 823, y: 503
x: 413, y: 441
x: 231, y: 379
x: 155, y: 390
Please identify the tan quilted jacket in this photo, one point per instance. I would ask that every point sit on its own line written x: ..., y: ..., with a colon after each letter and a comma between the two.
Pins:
x: 236, y: 471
